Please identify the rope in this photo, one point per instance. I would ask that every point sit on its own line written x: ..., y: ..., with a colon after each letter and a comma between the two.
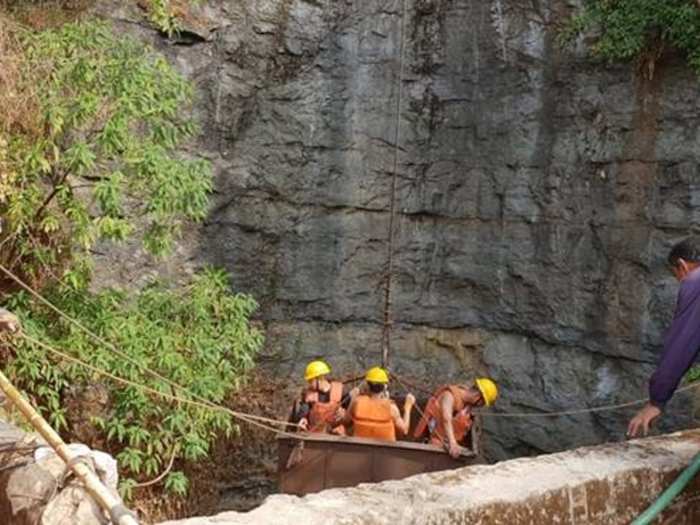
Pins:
x: 578, y: 411
x: 386, y: 332
x: 589, y: 410
x: 131, y: 360
x: 403, y: 381
x: 252, y: 418
x: 248, y: 418
x: 421, y: 413
x: 569, y: 412
x: 160, y: 476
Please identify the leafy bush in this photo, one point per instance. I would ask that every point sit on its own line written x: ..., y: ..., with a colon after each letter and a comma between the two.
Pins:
x: 111, y: 114
x: 91, y: 155
x: 636, y: 29
x: 198, y: 336
x: 166, y: 14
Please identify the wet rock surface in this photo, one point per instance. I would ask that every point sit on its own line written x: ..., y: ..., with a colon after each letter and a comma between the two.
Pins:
x: 537, y: 194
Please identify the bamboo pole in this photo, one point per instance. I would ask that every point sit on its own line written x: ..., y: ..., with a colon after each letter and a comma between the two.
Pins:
x: 109, y: 502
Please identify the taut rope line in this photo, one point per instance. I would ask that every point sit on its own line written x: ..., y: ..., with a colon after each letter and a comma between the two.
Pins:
x: 569, y: 412
x: 386, y: 331
x: 128, y: 358
x: 248, y: 418
x: 252, y: 419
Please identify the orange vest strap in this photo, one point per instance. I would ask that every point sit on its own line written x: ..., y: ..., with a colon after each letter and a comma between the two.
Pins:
x: 336, y: 392
x: 310, y: 396
x: 335, y: 395
x: 460, y: 422
x: 321, y: 412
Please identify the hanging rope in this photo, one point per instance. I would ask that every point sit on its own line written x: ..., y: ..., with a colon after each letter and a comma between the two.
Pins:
x: 421, y: 413
x: 386, y: 331
x: 160, y: 477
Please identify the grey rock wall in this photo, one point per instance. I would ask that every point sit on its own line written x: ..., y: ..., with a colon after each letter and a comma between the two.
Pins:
x: 537, y: 194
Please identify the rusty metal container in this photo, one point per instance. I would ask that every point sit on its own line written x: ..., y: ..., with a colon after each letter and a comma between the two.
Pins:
x: 314, y: 462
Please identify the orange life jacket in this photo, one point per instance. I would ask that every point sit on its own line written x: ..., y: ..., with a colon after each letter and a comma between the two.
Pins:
x: 432, y: 419
x: 371, y: 418
x: 321, y: 413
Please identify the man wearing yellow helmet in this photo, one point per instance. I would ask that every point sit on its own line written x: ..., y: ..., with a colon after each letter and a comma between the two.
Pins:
x: 447, y: 417
x: 374, y: 415
x: 316, y: 410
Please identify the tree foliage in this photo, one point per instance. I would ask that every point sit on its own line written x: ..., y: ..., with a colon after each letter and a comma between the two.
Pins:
x: 198, y: 336
x: 638, y: 29
x: 91, y: 125
x: 110, y: 114
x: 166, y: 15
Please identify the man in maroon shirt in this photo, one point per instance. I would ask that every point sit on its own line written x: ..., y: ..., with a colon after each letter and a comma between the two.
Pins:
x: 682, y: 341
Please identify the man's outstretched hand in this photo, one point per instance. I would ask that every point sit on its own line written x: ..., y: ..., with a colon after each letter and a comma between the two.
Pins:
x: 643, y: 420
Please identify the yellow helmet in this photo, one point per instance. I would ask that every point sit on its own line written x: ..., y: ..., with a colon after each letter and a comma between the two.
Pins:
x: 488, y: 389
x: 377, y: 375
x: 316, y: 369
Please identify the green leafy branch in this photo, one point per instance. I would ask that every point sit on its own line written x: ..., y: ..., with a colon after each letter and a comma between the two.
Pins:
x: 622, y: 30
x: 167, y: 15
x: 112, y: 113
x: 198, y: 336
x: 101, y: 161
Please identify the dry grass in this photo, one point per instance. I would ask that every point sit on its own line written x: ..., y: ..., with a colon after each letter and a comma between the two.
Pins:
x: 44, y: 14
x: 19, y: 108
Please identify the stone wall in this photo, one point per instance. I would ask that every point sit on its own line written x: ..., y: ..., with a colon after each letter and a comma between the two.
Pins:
x: 608, y: 485
x: 537, y: 195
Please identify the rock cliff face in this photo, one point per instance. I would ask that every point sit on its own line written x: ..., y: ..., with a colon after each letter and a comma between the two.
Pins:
x: 536, y: 195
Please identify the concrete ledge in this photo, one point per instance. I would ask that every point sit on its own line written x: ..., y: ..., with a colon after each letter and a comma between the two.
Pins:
x: 609, y: 484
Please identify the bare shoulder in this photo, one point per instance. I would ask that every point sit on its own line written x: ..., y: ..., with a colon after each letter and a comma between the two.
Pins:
x: 446, y: 394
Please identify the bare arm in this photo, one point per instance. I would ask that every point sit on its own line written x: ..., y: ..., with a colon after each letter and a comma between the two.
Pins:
x: 399, y: 422
x: 446, y: 408
x: 403, y: 424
